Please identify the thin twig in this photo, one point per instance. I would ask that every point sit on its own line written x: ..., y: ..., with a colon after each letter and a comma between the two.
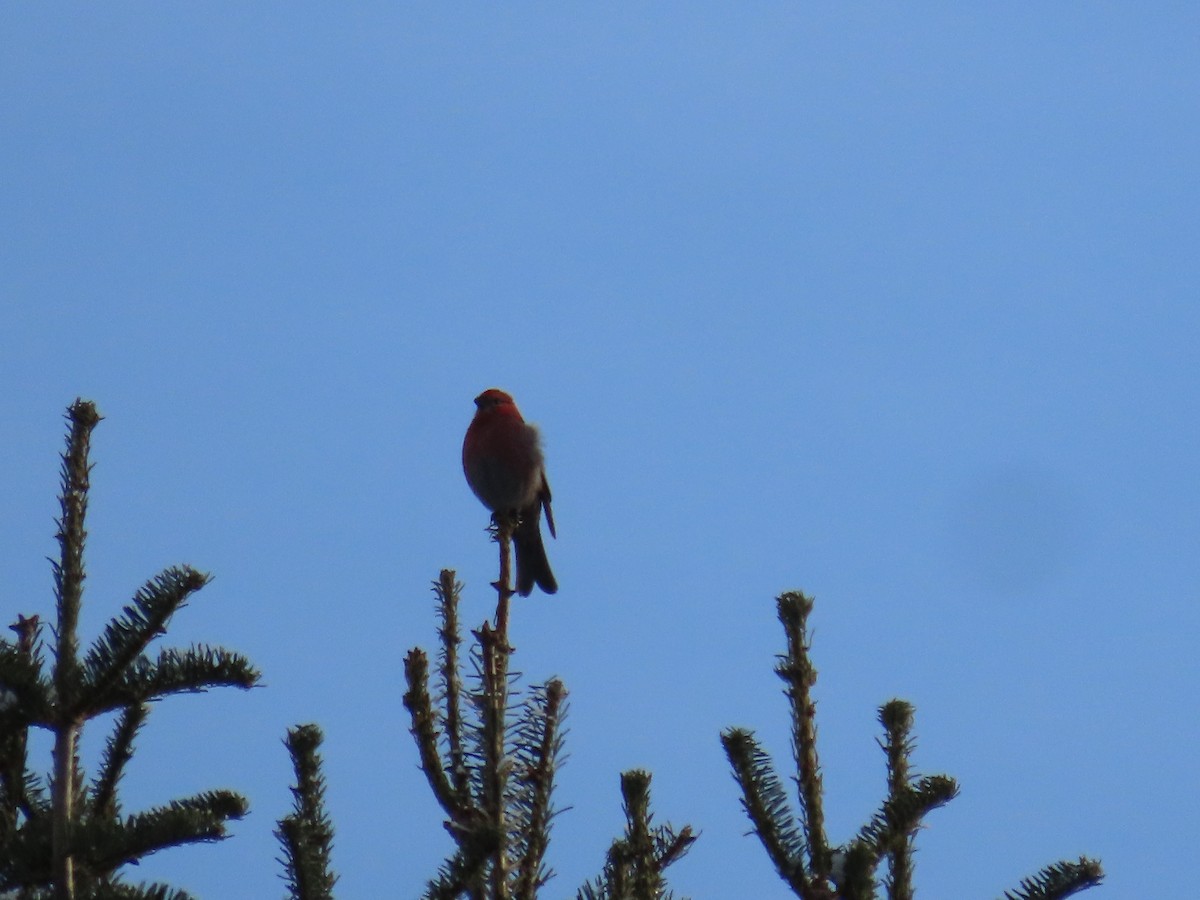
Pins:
x: 504, y: 526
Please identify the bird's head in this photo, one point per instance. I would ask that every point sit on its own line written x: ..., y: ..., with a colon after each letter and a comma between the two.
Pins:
x: 491, y: 398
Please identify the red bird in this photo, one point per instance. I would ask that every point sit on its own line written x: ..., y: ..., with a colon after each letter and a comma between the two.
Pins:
x: 502, y: 459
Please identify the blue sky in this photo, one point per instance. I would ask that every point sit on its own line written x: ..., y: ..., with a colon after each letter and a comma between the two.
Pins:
x: 896, y: 306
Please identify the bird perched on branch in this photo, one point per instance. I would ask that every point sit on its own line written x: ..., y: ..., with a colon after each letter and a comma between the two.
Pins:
x: 502, y: 459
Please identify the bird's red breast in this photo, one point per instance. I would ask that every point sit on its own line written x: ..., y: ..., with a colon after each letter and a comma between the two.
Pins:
x: 502, y: 456
x: 502, y: 459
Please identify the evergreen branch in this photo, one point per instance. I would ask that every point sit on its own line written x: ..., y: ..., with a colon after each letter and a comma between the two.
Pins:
x: 25, y: 857
x: 29, y: 634
x: 463, y: 872
x: 856, y: 880
x: 635, y: 790
x: 14, y: 798
x: 670, y: 845
x: 35, y: 791
x: 799, y: 675
x: 199, y: 818
x: 636, y: 862
x: 765, y: 802
x: 25, y: 699
x: 902, y: 813
x: 69, y: 845
x: 189, y: 671
x: 1058, y: 880
x: 31, y: 800
x: 896, y: 717
x: 69, y: 576
x: 122, y: 891
x: 424, y: 730
x: 448, y: 592
x: 69, y: 572
x: 496, y: 765
x: 117, y: 753
x: 307, y: 834
x: 538, y: 749
x: 126, y: 636
x: 25, y: 696
x: 100, y: 846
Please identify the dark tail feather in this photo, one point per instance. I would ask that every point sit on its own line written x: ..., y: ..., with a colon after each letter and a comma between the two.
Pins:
x: 532, y: 565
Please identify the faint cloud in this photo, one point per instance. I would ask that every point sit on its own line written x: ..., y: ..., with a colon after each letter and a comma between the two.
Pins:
x: 1016, y: 527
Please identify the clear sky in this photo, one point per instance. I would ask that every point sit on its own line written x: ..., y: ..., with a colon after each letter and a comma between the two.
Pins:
x: 896, y: 305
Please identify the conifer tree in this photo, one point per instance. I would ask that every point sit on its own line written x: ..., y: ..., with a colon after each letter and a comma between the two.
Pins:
x: 636, y: 862
x: 65, y: 837
x: 307, y: 833
x: 493, y: 773
x: 491, y: 764
x: 800, y: 849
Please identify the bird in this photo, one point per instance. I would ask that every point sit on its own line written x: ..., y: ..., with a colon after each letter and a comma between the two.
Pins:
x: 503, y: 461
